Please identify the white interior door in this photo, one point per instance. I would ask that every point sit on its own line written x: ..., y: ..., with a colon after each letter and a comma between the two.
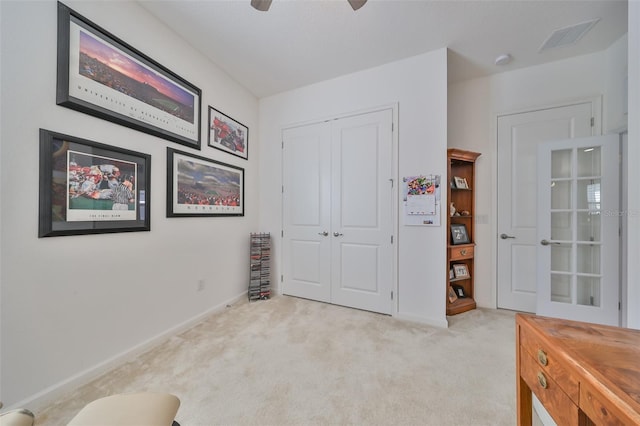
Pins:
x: 578, y: 229
x: 306, y: 251
x: 518, y: 138
x: 338, y: 211
x: 361, y: 222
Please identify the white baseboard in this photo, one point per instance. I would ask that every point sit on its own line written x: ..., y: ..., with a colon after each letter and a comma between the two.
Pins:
x: 442, y: 323
x: 47, y: 396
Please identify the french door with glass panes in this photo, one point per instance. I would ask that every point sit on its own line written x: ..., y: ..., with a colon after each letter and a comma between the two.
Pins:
x: 578, y: 229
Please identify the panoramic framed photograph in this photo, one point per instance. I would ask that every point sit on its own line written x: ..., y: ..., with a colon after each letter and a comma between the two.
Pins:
x: 227, y: 134
x: 460, y: 270
x: 459, y: 234
x: 88, y: 187
x: 101, y: 75
x: 198, y: 186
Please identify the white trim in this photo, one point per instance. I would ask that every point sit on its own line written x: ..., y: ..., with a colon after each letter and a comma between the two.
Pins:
x: 436, y: 322
x: 47, y: 396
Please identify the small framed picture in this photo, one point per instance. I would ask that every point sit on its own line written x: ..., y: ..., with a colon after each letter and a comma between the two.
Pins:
x: 460, y: 270
x: 227, y: 134
x: 452, y: 275
x: 461, y: 183
x: 459, y: 234
x: 452, y: 295
x: 459, y: 291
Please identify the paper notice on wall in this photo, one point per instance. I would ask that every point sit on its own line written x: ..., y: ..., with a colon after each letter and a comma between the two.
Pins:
x: 421, y: 200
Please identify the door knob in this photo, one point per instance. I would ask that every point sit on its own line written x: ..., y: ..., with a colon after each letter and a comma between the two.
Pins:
x: 337, y: 234
x: 505, y: 236
x: 324, y: 233
x: 546, y: 242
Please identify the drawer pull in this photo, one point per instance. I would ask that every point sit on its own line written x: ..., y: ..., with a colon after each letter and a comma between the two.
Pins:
x: 542, y: 380
x: 542, y: 357
x: 463, y: 252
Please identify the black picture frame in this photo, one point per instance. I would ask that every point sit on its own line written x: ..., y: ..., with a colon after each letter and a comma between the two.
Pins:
x: 459, y: 234
x: 227, y: 134
x: 141, y: 94
x: 199, y: 186
x: 79, y: 185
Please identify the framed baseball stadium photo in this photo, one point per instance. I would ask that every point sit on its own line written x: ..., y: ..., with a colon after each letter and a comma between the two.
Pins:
x: 89, y: 187
x: 199, y: 186
x: 101, y: 75
x: 227, y: 134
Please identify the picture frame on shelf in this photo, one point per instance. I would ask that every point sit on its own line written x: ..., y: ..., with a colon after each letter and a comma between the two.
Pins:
x: 227, y: 134
x: 88, y: 187
x: 459, y: 291
x: 199, y: 186
x: 100, y: 75
x: 459, y: 234
x: 460, y: 271
x: 452, y: 295
x: 460, y: 182
x: 452, y: 274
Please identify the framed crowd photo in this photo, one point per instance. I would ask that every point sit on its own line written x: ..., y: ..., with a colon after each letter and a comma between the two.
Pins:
x: 460, y: 270
x: 88, y: 187
x: 227, y: 134
x: 459, y: 234
x: 103, y: 76
x: 198, y: 186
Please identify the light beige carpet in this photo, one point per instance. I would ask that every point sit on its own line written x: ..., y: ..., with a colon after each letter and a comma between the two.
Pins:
x: 290, y: 361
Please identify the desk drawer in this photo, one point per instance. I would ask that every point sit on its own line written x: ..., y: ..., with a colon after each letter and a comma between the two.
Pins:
x: 546, y: 360
x: 459, y: 253
x: 555, y: 401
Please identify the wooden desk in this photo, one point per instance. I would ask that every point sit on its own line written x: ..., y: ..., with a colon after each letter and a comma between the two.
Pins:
x: 582, y: 373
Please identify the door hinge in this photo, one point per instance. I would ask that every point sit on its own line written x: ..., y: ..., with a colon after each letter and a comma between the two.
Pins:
x: 282, y: 233
x: 619, y: 306
x: 392, y: 239
x: 391, y: 180
x: 283, y: 144
x: 283, y: 189
x: 593, y: 121
x: 281, y: 278
x: 391, y: 294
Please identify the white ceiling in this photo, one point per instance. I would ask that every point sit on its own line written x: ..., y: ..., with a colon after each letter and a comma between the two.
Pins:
x: 300, y: 42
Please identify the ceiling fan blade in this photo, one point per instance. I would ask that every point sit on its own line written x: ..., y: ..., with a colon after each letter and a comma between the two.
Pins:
x: 357, y: 4
x: 261, y: 5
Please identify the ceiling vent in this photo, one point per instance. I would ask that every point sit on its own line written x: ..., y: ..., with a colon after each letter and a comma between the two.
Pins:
x: 567, y: 35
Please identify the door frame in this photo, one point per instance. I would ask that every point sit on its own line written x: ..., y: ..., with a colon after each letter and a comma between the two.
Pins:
x: 596, y: 101
x: 394, y: 193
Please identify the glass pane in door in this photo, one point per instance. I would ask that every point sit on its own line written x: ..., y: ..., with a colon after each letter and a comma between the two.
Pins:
x: 560, y: 195
x: 561, y: 258
x: 589, y: 162
x: 588, y: 291
x: 561, y: 226
x: 561, y: 164
x: 561, y: 288
x: 588, y: 194
x: 589, y: 226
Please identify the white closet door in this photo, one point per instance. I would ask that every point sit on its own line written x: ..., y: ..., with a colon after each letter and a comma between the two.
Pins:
x: 361, y: 213
x: 338, y: 211
x: 306, y: 211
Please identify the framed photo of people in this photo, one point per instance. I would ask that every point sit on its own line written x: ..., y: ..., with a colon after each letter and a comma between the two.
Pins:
x: 459, y: 234
x: 89, y: 187
x: 227, y: 134
x: 199, y: 186
x: 103, y: 76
